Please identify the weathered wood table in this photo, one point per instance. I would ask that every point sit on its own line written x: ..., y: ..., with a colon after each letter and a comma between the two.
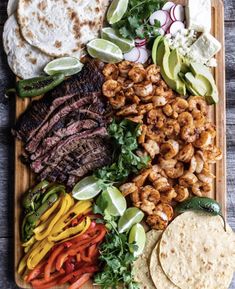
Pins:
x: 7, y: 145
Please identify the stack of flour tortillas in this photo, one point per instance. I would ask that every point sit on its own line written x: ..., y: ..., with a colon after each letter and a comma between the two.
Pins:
x: 194, y: 252
x: 38, y: 31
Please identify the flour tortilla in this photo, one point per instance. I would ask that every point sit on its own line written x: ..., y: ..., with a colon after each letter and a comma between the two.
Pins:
x: 196, y: 253
x: 159, y: 278
x: 12, y: 7
x: 24, y: 60
x: 61, y: 27
x: 141, y: 265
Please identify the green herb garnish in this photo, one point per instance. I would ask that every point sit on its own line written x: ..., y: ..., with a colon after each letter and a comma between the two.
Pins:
x: 135, y: 22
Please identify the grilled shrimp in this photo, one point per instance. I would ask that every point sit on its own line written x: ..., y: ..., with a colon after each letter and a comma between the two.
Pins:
x: 155, y: 173
x: 182, y: 193
x: 128, y: 110
x: 202, y: 189
x: 200, y: 160
x: 143, y: 89
x: 147, y: 207
x: 111, y: 71
x: 188, y: 134
x: 136, y: 119
x: 161, y: 91
x: 140, y: 179
x: 154, y: 134
x: 206, y: 176
x: 159, y: 101
x: 198, y: 103
x: 199, y: 120
x: 168, y: 195
x: 171, y: 128
x: 155, y: 116
x: 150, y: 194
x: 135, y: 197
x: 212, y: 154
x: 204, y: 140
x: 209, y: 127
x: 137, y: 74
x: 179, y: 105
x: 176, y: 172
x: 158, y: 220
x: 161, y: 184
x: 144, y: 108
x: 142, y: 137
x: 110, y: 88
x: 118, y: 101
x: 167, y: 209
x: 152, y: 148
x: 185, y: 119
x: 188, y: 180
x: 186, y: 153
x: 128, y: 188
x: 170, y: 149
x: 167, y: 164
x: 153, y: 73
x: 168, y: 110
x: 124, y: 67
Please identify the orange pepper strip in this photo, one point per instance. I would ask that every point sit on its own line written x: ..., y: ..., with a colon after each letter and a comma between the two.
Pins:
x: 53, y: 281
x: 35, y: 272
x: 82, y: 280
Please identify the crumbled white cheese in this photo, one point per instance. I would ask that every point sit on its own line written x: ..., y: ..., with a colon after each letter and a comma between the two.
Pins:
x: 212, y: 62
x: 198, y: 15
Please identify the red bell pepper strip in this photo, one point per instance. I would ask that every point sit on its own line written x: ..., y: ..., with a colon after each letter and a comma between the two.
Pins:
x: 53, y: 281
x: 79, y: 272
x: 82, y: 280
x: 35, y: 272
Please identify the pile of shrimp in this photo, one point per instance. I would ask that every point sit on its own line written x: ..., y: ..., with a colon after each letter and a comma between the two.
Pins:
x: 175, y: 133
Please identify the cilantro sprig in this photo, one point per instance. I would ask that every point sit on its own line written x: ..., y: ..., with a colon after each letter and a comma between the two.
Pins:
x: 135, y: 22
x: 124, y: 135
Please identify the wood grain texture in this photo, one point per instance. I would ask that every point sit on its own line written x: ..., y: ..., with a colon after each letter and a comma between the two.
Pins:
x: 7, y: 151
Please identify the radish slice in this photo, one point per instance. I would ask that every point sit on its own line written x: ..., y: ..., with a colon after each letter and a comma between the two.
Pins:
x: 168, y: 6
x: 171, y: 12
x: 176, y: 26
x: 168, y: 24
x: 179, y: 13
x: 144, y: 55
x: 161, y: 16
x: 161, y: 31
x: 140, y: 42
x: 132, y: 55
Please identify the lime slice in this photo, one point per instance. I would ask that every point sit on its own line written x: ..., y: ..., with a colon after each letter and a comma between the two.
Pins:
x: 104, y: 50
x: 137, y: 235
x: 116, y: 10
x: 155, y: 47
x: 116, y: 201
x: 131, y: 217
x: 86, y: 189
x: 66, y: 65
x: 112, y: 35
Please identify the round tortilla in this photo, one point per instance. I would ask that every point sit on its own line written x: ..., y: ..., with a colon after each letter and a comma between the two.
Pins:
x: 159, y: 278
x: 141, y: 265
x: 12, y: 7
x: 196, y: 253
x: 59, y: 27
x: 24, y: 60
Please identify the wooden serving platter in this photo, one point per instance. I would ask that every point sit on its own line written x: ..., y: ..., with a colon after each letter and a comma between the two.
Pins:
x: 24, y: 177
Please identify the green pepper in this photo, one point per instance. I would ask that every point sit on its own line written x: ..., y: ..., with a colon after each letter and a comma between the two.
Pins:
x: 53, y: 190
x: 38, y: 85
x: 25, y: 228
x: 202, y: 204
x: 33, y: 195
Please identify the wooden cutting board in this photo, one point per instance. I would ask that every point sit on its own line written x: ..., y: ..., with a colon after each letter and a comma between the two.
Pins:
x: 24, y: 177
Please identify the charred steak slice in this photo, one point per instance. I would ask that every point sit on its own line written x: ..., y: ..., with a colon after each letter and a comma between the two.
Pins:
x: 39, y: 111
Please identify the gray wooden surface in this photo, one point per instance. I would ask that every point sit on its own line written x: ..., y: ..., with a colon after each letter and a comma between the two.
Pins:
x: 7, y: 150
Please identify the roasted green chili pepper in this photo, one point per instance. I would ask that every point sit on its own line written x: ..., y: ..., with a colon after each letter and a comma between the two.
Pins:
x: 53, y: 190
x: 202, y: 204
x: 33, y: 194
x: 38, y: 85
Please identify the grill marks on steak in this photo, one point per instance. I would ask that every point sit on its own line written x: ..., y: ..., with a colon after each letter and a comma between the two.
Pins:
x: 65, y: 132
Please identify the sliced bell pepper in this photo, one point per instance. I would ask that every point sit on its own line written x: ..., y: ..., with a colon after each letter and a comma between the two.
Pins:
x: 48, y: 213
x: 81, y: 281
x: 81, y: 271
x: 53, y: 281
x: 35, y: 272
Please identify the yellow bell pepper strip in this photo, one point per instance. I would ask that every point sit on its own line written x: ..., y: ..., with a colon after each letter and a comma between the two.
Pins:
x: 70, y: 232
x: 39, y: 253
x: 43, y: 234
x: 30, y: 242
x: 78, y: 209
x: 48, y: 213
x: 43, y: 226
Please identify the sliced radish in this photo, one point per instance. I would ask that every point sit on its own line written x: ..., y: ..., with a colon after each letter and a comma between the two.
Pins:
x: 140, y: 42
x: 176, y: 26
x: 132, y: 55
x: 161, y: 16
x: 144, y: 55
x: 179, y: 13
x: 168, y: 6
x: 161, y: 31
x: 168, y: 24
x: 171, y: 12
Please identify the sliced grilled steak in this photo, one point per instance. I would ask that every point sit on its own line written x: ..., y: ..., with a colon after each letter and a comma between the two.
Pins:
x: 40, y: 110
x: 73, y: 104
x: 64, y: 147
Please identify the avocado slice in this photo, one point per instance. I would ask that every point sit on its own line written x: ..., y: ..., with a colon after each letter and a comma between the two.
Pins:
x: 155, y: 47
x: 187, y: 84
x: 198, y: 85
x: 203, y: 73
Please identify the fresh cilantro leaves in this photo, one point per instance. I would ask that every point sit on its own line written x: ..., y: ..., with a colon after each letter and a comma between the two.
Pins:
x: 135, y: 22
x: 124, y: 136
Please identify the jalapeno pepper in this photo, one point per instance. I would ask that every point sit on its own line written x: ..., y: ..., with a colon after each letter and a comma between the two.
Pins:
x: 38, y: 85
x: 202, y: 204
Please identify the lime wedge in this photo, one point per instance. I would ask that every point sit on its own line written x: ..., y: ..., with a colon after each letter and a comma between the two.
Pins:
x: 86, y: 189
x: 104, y: 50
x: 66, y: 65
x: 116, y: 201
x: 155, y: 47
x: 137, y: 235
x: 116, y: 10
x: 131, y: 217
x: 112, y: 35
